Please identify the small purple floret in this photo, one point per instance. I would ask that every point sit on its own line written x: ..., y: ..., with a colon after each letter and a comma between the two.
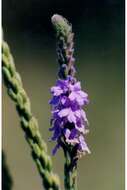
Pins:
x: 69, y: 121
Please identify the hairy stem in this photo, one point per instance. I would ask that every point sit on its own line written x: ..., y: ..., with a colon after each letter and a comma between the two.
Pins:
x: 29, y: 123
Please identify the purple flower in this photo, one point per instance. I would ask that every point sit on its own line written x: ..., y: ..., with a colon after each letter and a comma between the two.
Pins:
x: 69, y: 121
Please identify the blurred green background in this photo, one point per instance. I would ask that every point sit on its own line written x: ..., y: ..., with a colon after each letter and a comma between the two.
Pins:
x: 99, y: 51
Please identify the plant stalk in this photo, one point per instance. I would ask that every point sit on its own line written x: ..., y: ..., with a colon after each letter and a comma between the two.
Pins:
x: 29, y: 123
x: 70, y: 173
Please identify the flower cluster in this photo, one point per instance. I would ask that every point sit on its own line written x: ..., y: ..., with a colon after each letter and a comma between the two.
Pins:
x: 69, y: 120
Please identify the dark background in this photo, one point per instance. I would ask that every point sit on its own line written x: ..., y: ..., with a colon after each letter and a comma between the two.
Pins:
x: 99, y: 51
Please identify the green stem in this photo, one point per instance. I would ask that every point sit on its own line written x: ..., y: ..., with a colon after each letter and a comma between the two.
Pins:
x: 70, y: 173
x: 29, y: 123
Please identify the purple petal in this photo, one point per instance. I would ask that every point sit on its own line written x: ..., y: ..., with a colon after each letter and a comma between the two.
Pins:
x: 80, y: 128
x: 77, y: 86
x: 71, y: 117
x: 55, y: 149
x: 63, y: 100
x: 83, y: 145
x: 57, y: 133
x: 64, y: 112
x: 52, y: 128
x: 78, y: 113
x: 83, y: 94
x: 73, y: 134
x: 83, y: 114
x: 72, y: 96
x: 54, y: 100
x: 56, y: 90
x: 67, y: 133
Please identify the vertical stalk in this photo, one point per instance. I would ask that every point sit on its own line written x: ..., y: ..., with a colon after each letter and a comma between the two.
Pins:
x: 70, y: 173
x: 66, y: 60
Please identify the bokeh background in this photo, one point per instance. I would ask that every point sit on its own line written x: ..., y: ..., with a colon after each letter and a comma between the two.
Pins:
x: 99, y: 51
